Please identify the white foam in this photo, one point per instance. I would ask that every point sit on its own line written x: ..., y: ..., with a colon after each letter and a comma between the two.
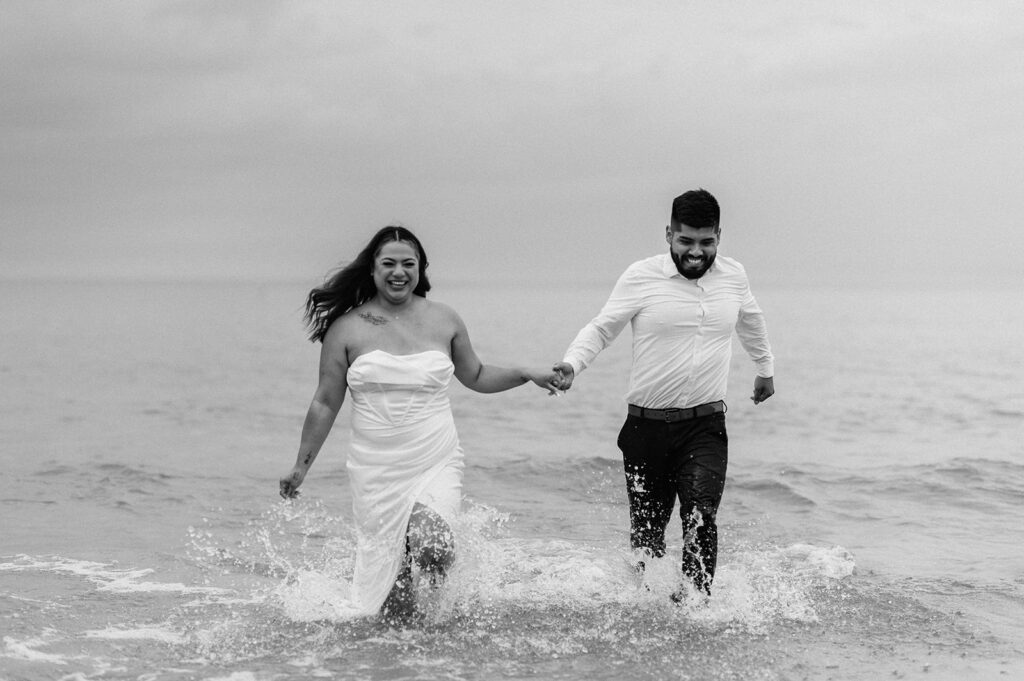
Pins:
x: 24, y: 599
x: 235, y: 676
x: 142, y: 633
x: 544, y: 571
x: 309, y: 596
x: 107, y: 577
x: 833, y: 562
x: 758, y: 587
x: 25, y: 650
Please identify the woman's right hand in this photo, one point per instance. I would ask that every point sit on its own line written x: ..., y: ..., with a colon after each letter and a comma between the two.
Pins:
x: 548, y: 380
x: 290, y: 483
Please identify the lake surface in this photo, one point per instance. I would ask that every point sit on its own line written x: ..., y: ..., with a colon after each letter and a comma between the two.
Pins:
x: 871, y: 524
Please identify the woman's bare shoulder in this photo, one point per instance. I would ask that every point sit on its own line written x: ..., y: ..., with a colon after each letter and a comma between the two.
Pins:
x: 344, y: 329
x: 442, y: 313
x: 437, y: 307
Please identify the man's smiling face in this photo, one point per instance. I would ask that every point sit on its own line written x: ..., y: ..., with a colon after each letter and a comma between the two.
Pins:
x: 693, y: 249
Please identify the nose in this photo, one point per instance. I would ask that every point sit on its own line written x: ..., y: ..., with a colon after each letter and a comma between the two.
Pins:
x: 694, y: 250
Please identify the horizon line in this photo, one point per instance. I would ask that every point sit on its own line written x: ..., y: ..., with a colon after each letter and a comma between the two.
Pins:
x: 758, y: 283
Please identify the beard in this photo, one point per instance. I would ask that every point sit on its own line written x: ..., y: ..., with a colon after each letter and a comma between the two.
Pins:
x: 691, y: 272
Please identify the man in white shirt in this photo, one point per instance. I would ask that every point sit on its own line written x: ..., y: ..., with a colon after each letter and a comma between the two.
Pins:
x: 683, y: 306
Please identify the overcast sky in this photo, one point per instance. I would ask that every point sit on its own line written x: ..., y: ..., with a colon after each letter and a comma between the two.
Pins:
x: 847, y: 142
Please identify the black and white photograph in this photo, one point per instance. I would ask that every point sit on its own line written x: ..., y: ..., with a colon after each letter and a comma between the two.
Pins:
x: 476, y: 341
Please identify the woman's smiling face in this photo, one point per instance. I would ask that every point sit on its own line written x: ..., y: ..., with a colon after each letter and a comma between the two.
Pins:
x: 396, y: 271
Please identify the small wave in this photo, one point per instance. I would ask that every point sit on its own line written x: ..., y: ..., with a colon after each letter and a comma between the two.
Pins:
x: 529, y: 466
x: 775, y: 490
x: 1008, y: 412
x: 107, y: 472
x: 126, y: 488
x: 23, y: 501
x: 984, y: 481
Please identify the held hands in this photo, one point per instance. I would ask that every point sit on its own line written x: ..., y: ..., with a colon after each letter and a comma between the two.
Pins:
x: 290, y: 483
x: 549, y: 380
x: 554, y: 381
x: 565, y: 374
x: 763, y: 389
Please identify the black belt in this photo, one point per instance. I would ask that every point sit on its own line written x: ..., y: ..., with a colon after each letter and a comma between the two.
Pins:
x: 673, y: 415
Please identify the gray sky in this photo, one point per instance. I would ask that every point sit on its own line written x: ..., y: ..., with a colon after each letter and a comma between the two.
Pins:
x: 848, y: 143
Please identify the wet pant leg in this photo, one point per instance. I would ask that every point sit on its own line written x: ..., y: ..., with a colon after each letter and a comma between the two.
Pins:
x: 700, y: 459
x: 648, y: 484
x: 665, y: 461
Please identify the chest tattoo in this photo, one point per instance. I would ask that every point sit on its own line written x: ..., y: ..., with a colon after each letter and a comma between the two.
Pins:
x: 374, y: 319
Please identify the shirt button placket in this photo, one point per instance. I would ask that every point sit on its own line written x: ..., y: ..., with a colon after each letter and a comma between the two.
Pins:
x: 697, y: 342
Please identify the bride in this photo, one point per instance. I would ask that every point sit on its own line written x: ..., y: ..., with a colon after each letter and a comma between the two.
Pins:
x: 396, y: 352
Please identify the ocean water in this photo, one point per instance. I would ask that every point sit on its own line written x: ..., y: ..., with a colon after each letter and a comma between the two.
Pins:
x: 871, y: 525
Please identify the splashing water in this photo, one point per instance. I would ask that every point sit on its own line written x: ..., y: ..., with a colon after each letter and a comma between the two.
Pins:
x: 507, y: 601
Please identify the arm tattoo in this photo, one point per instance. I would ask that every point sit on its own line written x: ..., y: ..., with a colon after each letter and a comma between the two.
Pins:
x: 376, y: 320
x: 309, y: 458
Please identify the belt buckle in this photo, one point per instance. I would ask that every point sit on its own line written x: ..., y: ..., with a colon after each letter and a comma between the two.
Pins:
x: 669, y: 413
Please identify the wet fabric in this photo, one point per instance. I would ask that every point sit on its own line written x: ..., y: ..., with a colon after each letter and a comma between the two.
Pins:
x: 665, y: 461
x: 404, y: 450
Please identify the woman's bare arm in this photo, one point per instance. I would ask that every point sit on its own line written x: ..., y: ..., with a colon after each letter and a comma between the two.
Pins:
x: 323, y: 410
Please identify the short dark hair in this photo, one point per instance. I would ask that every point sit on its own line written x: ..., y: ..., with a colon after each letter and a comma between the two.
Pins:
x: 352, y: 285
x: 696, y: 208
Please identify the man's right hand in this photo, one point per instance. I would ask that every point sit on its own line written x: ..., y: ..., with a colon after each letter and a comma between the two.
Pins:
x: 565, y: 373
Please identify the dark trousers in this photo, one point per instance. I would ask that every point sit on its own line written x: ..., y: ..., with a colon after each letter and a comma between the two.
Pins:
x: 684, y: 460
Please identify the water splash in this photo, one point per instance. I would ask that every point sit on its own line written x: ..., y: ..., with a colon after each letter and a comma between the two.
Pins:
x: 507, y: 597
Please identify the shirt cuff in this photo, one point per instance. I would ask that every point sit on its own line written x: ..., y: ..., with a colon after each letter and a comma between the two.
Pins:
x: 577, y: 365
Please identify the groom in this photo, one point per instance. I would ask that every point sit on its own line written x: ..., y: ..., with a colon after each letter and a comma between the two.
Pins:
x: 683, y: 306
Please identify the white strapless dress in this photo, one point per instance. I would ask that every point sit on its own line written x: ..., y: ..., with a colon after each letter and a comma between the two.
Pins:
x: 404, y: 450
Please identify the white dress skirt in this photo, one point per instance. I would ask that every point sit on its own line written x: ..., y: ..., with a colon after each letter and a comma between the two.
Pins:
x: 404, y: 450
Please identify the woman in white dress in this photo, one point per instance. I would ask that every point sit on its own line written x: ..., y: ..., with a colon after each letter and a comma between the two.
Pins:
x: 396, y: 352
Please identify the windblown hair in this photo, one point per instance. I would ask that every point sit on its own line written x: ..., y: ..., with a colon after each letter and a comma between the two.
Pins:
x: 352, y: 285
x: 696, y: 208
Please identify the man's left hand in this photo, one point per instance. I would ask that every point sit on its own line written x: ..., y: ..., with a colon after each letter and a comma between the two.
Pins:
x: 763, y: 389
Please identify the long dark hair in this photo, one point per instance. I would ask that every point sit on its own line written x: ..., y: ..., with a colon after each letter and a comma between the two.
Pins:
x: 352, y: 285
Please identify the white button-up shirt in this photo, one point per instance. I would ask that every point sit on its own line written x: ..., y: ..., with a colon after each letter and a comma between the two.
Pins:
x: 682, y: 331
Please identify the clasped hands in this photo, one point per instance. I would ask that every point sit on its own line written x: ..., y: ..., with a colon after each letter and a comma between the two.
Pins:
x: 558, y: 380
